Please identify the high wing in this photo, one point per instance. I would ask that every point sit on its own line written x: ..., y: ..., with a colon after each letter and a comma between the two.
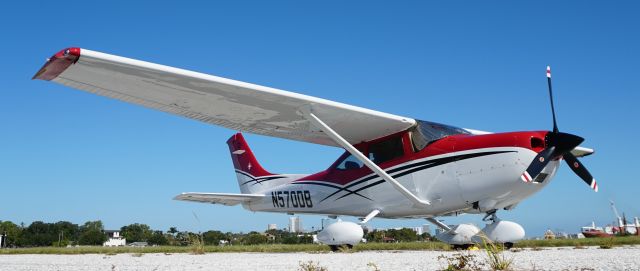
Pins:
x: 216, y: 100
x: 218, y: 198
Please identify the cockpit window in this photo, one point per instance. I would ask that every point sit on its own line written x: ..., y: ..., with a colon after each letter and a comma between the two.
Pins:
x: 425, y: 133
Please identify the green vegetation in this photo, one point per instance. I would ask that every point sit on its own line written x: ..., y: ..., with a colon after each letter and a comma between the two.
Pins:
x: 617, y: 241
x: 395, y: 235
x: 311, y: 248
x: 67, y: 238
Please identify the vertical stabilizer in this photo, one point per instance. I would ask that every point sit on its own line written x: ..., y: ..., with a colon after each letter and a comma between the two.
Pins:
x: 252, y: 177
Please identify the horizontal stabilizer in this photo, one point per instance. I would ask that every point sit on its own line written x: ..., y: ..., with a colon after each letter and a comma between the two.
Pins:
x: 228, y: 199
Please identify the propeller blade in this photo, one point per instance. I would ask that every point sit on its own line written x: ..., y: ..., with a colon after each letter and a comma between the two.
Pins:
x: 580, y: 170
x: 553, y: 110
x: 538, y: 164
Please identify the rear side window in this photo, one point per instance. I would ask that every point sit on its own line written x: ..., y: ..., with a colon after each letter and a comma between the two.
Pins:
x: 386, y: 150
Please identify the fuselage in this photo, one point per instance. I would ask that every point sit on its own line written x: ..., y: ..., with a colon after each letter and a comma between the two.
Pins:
x: 460, y: 173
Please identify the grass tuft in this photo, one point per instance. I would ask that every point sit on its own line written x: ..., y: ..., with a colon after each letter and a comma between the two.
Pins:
x: 196, y: 244
x: 460, y: 262
x: 373, y: 266
x: 311, y: 266
x: 496, y: 258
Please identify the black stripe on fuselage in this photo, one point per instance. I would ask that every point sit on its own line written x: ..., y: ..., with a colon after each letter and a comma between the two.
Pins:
x: 258, y: 180
x: 410, y: 169
x: 330, y: 185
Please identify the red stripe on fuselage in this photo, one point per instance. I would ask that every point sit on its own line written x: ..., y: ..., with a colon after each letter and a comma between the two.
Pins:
x: 450, y: 144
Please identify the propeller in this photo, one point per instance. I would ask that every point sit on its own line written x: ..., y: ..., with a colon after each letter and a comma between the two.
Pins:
x: 558, y: 144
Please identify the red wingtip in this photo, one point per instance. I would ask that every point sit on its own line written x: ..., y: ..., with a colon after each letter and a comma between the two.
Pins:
x: 58, y: 63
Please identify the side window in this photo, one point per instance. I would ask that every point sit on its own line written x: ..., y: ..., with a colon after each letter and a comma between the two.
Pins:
x: 350, y: 163
x: 386, y: 150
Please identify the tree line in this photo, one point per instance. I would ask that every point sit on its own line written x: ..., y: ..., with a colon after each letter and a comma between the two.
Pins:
x: 92, y: 233
x: 64, y: 233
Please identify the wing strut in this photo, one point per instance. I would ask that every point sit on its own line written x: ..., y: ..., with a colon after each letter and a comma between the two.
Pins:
x: 355, y: 152
x: 370, y: 216
x: 438, y: 223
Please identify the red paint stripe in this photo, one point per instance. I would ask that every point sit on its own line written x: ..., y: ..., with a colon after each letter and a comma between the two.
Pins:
x: 58, y: 63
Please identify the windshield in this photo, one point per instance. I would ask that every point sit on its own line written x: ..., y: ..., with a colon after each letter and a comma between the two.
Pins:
x: 426, y: 132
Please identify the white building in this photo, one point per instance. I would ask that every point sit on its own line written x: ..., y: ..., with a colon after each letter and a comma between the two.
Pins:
x: 418, y: 230
x: 295, y: 224
x: 115, y: 240
x: 272, y: 227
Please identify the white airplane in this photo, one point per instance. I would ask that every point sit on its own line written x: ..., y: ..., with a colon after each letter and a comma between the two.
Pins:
x: 393, y: 167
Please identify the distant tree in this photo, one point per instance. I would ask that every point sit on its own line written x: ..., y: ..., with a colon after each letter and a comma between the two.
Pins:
x: 290, y: 239
x: 213, y: 237
x: 158, y: 238
x: 173, y: 230
x: 66, y: 231
x: 13, y: 232
x: 136, y: 232
x: 306, y: 239
x: 39, y: 233
x: 182, y: 238
x: 254, y: 238
x: 403, y: 235
x: 92, y: 233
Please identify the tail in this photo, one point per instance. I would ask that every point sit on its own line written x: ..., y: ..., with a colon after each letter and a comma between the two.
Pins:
x: 252, y: 177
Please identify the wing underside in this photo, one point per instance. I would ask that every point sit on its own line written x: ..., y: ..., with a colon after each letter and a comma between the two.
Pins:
x: 216, y: 100
x: 218, y: 198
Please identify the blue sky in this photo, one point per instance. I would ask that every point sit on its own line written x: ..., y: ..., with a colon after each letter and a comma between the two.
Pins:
x: 70, y: 155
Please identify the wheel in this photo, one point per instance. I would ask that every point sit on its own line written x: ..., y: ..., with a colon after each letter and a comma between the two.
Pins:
x: 349, y: 246
x: 334, y: 248
x: 508, y: 245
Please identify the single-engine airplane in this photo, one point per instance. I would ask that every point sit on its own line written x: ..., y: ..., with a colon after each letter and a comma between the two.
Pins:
x: 393, y: 166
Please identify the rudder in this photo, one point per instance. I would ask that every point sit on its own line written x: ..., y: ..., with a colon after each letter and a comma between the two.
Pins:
x: 249, y: 172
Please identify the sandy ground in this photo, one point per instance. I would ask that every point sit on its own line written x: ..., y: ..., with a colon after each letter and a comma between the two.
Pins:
x: 621, y: 258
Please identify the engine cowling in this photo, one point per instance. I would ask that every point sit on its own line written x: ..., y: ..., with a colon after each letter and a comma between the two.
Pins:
x: 341, y: 233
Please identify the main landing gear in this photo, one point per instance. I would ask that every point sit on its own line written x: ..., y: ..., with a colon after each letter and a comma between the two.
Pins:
x: 464, y: 236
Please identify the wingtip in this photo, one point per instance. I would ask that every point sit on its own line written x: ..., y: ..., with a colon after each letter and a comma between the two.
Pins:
x: 58, y: 63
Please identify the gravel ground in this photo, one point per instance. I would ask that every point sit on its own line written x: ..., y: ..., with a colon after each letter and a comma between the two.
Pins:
x: 592, y: 258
